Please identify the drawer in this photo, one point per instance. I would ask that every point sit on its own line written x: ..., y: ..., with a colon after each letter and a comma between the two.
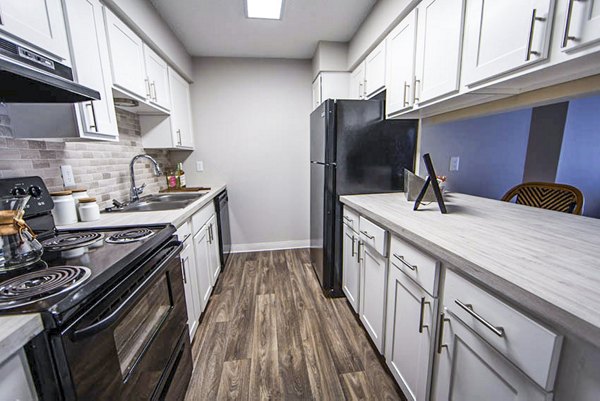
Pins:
x: 184, y: 231
x: 373, y: 235
x: 202, y: 216
x: 532, y: 347
x: 350, y: 218
x: 419, y: 266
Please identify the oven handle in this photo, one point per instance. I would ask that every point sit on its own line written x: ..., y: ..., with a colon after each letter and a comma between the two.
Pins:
x: 114, y: 316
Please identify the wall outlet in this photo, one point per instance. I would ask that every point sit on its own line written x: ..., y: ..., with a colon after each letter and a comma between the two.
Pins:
x: 454, y: 163
x: 67, y: 175
x: 199, y: 166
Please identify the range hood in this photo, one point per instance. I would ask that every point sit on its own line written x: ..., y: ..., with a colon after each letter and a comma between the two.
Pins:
x: 29, y: 77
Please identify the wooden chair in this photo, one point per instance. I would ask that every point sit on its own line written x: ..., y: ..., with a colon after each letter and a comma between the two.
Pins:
x: 546, y: 195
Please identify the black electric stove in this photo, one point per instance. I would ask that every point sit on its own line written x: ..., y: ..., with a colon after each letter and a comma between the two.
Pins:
x: 96, y: 290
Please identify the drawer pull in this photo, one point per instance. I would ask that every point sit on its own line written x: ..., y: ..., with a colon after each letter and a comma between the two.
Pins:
x: 441, y: 344
x: 422, y: 317
x: 497, y: 330
x: 366, y: 234
x: 348, y: 219
x: 405, y: 263
x: 358, y: 253
x: 353, y: 241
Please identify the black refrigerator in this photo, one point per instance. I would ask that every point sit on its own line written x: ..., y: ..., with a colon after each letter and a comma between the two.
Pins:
x: 353, y: 150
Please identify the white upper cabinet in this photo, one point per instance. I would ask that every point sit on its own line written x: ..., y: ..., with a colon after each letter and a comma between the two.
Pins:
x: 181, y: 113
x: 127, y: 58
x: 582, y: 24
x: 330, y: 85
x: 439, y: 44
x: 503, y: 35
x: 375, y: 71
x: 89, y: 52
x: 357, y: 82
x: 37, y: 22
x: 401, y: 65
x: 158, y: 79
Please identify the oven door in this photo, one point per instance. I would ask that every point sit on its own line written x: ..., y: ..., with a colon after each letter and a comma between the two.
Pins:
x: 121, y: 348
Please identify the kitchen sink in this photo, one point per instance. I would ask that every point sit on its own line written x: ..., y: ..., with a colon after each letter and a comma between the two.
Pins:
x: 160, y: 202
x: 172, y: 197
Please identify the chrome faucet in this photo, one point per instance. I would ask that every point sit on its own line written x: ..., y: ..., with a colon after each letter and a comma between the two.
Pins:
x: 135, y: 192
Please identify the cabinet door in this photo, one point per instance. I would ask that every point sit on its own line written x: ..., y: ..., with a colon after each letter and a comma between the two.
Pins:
x: 401, y: 65
x: 582, y: 24
x: 158, y: 78
x: 372, y: 295
x: 470, y: 370
x: 503, y: 35
x: 202, y: 252
x: 351, y: 268
x: 316, y: 92
x: 439, y: 46
x: 409, y: 334
x: 92, y: 67
x: 375, y: 70
x: 190, y: 285
x: 357, y: 82
x: 215, y: 259
x: 37, y: 22
x: 127, y: 57
x: 181, y: 113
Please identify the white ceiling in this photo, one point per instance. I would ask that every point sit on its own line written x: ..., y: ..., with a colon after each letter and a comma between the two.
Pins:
x: 220, y: 28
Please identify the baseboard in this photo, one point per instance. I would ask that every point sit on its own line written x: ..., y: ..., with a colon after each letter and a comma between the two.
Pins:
x: 269, y: 246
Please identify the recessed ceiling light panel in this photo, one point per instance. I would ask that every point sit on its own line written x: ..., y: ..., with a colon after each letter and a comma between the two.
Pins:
x: 264, y: 9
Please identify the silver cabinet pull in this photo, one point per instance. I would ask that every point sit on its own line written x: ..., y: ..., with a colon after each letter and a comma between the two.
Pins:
x: 417, y: 85
x: 153, y: 91
x: 94, y: 125
x: 534, y: 18
x: 210, y: 232
x: 404, y: 102
x: 183, y: 261
x: 441, y: 345
x: 179, y: 137
x: 366, y: 234
x: 497, y: 330
x: 404, y: 262
x: 365, y: 89
x: 360, y: 91
x: 348, y: 219
x: 147, y: 81
x: 360, y: 243
x: 353, y: 241
x: 566, y: 36
x: 422, y: 316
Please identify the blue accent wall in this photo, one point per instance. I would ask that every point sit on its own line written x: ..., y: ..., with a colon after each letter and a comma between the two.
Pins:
x: 579, y: 163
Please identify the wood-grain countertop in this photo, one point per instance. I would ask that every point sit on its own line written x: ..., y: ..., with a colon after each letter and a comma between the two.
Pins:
x: 16, y: 331
x: 175, y: 217
x: 547, y: 263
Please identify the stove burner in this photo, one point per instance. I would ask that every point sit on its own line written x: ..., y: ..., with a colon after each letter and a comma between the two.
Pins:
x: 41, y: 284
x: 133, y: 235
x: 64, y: 242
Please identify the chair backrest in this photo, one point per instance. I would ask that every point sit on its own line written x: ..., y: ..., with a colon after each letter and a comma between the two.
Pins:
x: 547, y: 195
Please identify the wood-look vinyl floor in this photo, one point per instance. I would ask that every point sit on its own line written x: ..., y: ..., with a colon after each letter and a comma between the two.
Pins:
x: 268, y: 333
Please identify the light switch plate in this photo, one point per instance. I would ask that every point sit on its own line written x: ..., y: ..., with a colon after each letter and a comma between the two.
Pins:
x: 199, y: 166
x: 454, y: 163
x: 67, y: 175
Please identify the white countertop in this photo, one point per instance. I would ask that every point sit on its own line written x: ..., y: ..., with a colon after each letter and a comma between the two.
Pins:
x: 546, y: 262
x: 175, y: 217
x: 16, y: 331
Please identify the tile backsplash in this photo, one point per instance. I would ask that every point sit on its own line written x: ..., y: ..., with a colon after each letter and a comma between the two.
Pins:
x: 101, y: 167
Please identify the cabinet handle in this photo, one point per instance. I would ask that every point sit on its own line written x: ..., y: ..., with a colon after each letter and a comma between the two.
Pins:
x: 566, y: 36
x: 405, y: 263
x: 534, y: 18
x: 183, y: 261
x: 497, y: 330
x: 179, y: 137
x: 353, y: 241
x: 360, y: 90
x: 360, y: 243
x: 147, y: 81
x: 210, y: 234
x: 365, y: 90
x: 417, y: 84
x: 348, y: 219
x: 153, y: 90
x: 422, y: 316
x: 405, y: 102
x: 93, y: 126
x: 366, y: 234
x: 441, y: 344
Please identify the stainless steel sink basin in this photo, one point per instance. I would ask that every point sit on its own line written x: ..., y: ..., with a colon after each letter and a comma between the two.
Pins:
x: 160, y: 202
x: 172, y: 197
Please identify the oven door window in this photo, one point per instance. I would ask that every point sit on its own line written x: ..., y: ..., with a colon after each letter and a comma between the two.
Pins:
x: 136, y: 329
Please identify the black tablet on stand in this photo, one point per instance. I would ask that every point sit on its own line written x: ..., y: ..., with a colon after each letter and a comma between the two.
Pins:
x: 431, y: 179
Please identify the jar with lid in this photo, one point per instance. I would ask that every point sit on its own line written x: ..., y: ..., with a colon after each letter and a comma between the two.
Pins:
x: 64, y: 211
x: 79, y: 193
x: 89, y: 209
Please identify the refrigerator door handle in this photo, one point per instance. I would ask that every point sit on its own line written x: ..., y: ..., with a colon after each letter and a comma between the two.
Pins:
x: 323, y: 164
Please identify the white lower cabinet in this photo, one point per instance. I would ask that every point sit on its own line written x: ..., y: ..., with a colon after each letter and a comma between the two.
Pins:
x: 16, y: 382
x: 468, y: 369
x: 213, y: 249
x: 409, y: 340
x: 190, y: 284
x: 351, y: 267
x: 372, y: 293
x: 202, y: 250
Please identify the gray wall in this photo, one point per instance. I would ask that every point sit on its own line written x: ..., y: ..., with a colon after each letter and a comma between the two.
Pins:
x: 252, y: 131
x: 579, y: 163
x: 492, y: 152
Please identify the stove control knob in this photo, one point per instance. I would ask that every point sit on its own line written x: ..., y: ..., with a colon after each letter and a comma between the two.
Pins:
x: 18, y: 191
x: 35, y: 191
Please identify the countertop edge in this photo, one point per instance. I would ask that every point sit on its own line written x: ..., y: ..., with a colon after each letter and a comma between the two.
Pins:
x: 16, y: 331
x: 543, y: 310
